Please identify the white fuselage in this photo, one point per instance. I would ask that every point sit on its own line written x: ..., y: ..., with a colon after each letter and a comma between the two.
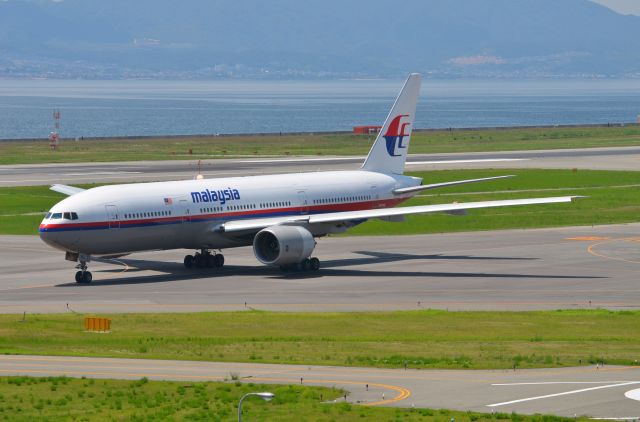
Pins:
x: 184, y: 214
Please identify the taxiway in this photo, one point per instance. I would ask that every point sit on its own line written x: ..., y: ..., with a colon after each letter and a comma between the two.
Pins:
x: 619, y: 158
x: 601, y: 392
x: 575, y: 267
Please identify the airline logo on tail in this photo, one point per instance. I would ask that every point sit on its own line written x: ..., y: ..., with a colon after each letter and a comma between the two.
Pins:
x: 395, y: 135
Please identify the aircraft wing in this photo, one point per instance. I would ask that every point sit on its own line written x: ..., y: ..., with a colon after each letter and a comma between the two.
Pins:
x: 346, y: 216
x: 65, y: 189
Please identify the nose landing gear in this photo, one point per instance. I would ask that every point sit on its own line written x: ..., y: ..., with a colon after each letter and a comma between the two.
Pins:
x: 204, y: 259
x: 83, y: 276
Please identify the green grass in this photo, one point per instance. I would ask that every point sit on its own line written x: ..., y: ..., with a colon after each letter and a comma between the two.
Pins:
x: 22, y: 208
x: 68, y: 399
x: 422, y: 339
x: 186, y: 148
x: 613, y: 197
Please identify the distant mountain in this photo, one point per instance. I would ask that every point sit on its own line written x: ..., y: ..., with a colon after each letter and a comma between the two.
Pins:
x: 315, y: 38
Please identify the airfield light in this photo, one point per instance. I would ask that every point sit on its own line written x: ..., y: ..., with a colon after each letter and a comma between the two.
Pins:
x: 266, y: 396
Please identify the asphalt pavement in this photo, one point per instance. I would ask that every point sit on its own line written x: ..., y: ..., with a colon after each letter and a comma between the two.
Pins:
x: 618, y: 158
x: 602, y: 392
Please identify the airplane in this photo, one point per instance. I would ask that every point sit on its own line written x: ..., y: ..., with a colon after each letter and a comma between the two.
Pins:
x: 279, y: 215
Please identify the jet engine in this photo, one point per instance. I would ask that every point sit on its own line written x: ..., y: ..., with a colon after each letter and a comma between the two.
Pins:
x: 283, y: 245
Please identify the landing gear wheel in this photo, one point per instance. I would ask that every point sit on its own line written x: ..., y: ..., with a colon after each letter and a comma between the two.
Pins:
x: 188, y: 261
x: 210, y: 261
x: 218, y: 261
x: 83, y: 277
x: 305, y: 265
x: 200, y: 261
x: 314, y: 264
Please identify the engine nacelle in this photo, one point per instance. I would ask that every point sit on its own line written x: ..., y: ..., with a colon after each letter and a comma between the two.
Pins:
x: 283, y: 245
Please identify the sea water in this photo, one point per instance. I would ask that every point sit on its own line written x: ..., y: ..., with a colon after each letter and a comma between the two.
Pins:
x: 144, y: 108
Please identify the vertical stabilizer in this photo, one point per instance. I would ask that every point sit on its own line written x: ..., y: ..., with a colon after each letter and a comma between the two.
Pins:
x: 389, y: 152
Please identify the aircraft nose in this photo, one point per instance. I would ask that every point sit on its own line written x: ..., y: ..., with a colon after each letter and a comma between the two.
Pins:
x: 50, y: 238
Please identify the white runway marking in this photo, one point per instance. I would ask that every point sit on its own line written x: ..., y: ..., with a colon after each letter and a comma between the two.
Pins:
x: 92, y: 173
x: 633, y: 394
x: 566, y: 393
x: 480, y: 160
x: 559, y: 382
x: 300, y: 160
x: 177, y: 176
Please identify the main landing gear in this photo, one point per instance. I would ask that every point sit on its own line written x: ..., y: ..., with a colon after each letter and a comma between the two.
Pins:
x: 308, y: 264
x: 204, y: 259
x: 83, y: 276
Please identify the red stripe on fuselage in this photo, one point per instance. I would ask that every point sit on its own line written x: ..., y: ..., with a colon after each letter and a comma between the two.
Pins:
x: 311, y: 209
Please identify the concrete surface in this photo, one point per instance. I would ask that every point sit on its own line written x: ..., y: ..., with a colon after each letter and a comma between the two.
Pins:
x: 577, y: 267
x: 621, y: 158
x: 593, y: 391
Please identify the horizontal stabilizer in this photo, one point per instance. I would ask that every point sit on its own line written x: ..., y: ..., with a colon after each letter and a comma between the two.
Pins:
x: 65, y: 189
x: 411, y: 189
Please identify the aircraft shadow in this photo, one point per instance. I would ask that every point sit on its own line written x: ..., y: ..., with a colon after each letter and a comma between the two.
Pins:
x: 377, y: 257
x: 172, y: 271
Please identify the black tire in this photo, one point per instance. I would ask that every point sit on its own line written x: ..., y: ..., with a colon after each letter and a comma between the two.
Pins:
x: 314, y: 264
x: 188, y: 261
x: 219, y: 260
x: 87, y: 277
x: 305, y: 265
x: 210, y: 261
x: 79, y: 277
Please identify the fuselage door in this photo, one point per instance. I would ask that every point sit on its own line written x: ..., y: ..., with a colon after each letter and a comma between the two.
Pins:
x: 302, y: 199
x: 112, y: 216
x: 375, y: 196
x: 184, y: 211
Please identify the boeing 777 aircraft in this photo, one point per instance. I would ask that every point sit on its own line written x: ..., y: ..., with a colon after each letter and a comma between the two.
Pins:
x: 280, y: 215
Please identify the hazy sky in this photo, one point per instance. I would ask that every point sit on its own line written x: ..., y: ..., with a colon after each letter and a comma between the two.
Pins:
x: 622, y: 6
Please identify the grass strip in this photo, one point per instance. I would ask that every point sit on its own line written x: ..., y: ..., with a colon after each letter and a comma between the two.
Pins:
x: 34, y: 152
x: 69, y: 399
x: 419, y: 339
x: 613, y: 197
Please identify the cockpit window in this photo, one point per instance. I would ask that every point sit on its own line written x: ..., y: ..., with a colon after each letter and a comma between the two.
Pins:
x: 74, y: 216
x: 56, y: 216
x: 67, y: 216
x: 48, y: 216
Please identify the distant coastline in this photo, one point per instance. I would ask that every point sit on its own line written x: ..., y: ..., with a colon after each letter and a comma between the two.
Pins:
x: 322, y: 133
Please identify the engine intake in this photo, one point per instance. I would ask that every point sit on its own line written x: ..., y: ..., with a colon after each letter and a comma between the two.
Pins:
x: 283, y: 245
